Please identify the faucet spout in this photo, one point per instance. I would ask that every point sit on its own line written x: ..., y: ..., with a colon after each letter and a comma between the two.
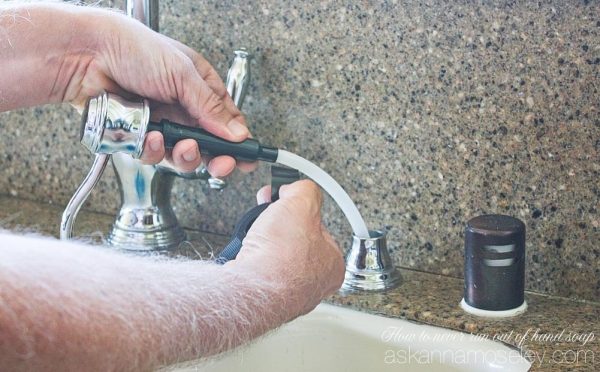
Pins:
x: 80, y: 196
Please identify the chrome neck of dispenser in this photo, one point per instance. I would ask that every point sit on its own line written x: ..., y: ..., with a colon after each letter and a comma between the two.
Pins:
x: 146, y: 220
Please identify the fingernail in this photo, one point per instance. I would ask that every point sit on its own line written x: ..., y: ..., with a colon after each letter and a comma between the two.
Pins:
x: 156, y: 144
x: 190, y: 155
x: 237, y: 129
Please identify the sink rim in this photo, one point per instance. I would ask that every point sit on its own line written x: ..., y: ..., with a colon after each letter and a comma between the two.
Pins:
x: 369, y: 326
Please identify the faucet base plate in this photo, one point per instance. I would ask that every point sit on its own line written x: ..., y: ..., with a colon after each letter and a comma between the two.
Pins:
x: 160, y: 240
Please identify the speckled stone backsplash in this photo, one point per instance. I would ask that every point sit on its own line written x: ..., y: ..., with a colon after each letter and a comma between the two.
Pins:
x: 428, y: 113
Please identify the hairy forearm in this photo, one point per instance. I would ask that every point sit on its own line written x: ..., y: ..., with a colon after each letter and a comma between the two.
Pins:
x: 43, y: 46
x: 66, y: 305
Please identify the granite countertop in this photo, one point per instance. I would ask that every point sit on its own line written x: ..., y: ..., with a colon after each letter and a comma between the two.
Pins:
x: 422, y: 297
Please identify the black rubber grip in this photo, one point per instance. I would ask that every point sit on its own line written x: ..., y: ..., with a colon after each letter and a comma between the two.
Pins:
x: 247, y: 150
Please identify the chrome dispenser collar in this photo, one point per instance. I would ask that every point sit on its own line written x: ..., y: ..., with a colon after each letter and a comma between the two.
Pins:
x: 113, y: 124
x: 369, y: 266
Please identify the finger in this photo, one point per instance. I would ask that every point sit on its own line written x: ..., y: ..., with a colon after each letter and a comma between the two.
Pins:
x: 264, y: 195
x: 154, y: 149
x: 209, y: 109
x: 305, y: 188
x: 247, y: 167
x: 186, y: 155
x: 221, y: 166
x: 211, y: 77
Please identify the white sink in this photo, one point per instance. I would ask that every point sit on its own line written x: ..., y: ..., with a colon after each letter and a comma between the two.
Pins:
x: 332, y: 338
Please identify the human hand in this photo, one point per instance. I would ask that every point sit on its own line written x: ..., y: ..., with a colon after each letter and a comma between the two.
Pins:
x: 131, y: 60
x: 289, y: 245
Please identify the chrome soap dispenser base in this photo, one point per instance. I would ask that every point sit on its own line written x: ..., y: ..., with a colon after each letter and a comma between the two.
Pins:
x: 145, y: 220
x: 369, y: 266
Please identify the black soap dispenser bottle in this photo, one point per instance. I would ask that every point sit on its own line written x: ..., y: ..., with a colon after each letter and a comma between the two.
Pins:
x: 494, y: 266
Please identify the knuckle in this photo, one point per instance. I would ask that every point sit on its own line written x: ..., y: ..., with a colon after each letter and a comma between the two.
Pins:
x: 186, y: 167
x: 310, y: 191
x: 312, y: 187
x: 183, y: 69
x: 150, y: 157
x: 213, y: 105
x: 185, y: 65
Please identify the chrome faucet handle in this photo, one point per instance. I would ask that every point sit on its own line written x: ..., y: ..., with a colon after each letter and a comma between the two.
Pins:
x: 238, y: 77
x: 200, y: 173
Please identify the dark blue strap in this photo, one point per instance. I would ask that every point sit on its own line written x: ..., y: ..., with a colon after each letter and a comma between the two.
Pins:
x: 230, y: 251
x: 239, y: 233
x: 279, y: 176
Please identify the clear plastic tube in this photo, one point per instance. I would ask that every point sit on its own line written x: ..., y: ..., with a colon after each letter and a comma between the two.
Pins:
x: 331, y: 186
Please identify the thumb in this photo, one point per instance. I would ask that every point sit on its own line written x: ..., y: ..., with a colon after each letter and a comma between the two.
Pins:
x: 306, y: 190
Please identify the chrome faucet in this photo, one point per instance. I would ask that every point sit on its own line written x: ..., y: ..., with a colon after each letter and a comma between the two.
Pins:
x: 146, y: 220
